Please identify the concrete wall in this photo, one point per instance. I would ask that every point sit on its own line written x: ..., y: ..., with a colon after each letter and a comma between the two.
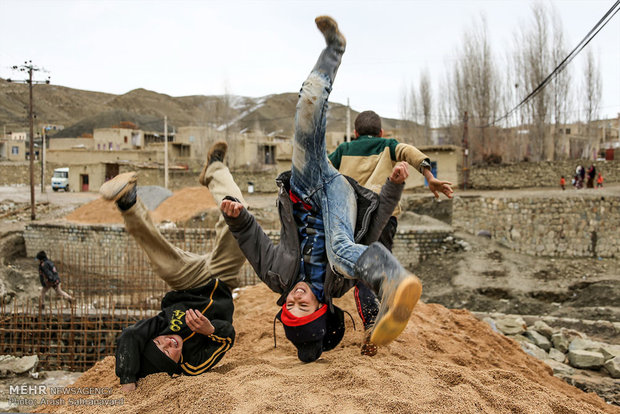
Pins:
x: 536, y: 174
x: 119, y: 138
x: 575, y: 225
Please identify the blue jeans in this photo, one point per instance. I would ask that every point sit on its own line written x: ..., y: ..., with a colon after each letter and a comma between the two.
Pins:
x: 317, y: 182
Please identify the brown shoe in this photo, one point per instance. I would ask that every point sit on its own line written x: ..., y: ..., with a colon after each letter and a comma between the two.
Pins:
x: 399, y: 311
x: 368, y: 348
x: 216, y: 153
x: 118, y: 186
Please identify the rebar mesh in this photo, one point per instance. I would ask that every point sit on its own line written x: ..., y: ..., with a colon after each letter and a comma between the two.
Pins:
x: 69, y: 338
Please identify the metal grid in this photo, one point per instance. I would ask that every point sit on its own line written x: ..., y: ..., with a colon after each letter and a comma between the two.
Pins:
x: 68, y: 338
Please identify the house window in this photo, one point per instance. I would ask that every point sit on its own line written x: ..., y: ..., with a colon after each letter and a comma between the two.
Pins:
x: 109, y: 146
x: 125, y: 139
x: 15, y: 150
x: 567, y: 131
x: 98, y: 146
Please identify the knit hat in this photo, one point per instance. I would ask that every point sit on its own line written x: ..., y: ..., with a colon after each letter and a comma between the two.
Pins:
x: 320, y: 331
x: 153, y: 361
x: 41, y: 255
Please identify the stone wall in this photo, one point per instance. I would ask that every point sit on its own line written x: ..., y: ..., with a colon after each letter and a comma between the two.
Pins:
x: 536, y: 174
x: 110, y: 252
x: 18, y: 172
x: 575, y: 225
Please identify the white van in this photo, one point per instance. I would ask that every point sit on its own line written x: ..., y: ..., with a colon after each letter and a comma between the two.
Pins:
x: 60, y: 179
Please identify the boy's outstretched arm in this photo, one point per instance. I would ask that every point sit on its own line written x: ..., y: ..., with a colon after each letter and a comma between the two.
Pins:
x: 256, y: 246
x: 436, y: 186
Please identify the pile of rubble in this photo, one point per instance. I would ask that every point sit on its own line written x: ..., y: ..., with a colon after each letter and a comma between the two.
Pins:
x: 583, y: 362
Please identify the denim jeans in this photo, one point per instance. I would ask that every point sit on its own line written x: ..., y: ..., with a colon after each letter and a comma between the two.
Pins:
x: 317, y: 182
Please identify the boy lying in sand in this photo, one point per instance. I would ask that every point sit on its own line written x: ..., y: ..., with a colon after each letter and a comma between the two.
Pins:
x: 326, y: 218
x: 194, y: 329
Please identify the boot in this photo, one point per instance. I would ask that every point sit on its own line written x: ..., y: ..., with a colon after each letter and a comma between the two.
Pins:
x: 330, y: 57
x: 398, y: 289
x: 216, y: 153
x: 121, y: 189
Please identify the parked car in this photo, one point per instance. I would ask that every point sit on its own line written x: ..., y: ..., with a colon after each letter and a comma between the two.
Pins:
x: 60, y: 179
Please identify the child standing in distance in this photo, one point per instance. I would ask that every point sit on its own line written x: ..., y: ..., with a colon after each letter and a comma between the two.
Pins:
x: 563, y: 183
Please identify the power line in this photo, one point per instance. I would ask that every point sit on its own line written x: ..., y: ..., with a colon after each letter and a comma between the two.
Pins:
x: 588, y: 37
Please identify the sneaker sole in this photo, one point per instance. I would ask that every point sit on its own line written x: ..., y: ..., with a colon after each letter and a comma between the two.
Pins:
x: 117, y: 186
x: 395, y: 320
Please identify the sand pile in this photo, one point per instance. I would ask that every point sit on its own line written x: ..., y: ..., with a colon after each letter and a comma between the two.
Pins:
x: 181, y: 206
x: 446, y: 361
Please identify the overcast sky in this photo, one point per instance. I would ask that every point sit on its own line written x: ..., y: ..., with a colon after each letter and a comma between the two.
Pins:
x: 257, y: 48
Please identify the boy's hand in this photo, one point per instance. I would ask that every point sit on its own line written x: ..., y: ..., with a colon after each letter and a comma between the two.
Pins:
x: 399, y: 173
x: 199, y: 323
x: 436, y: 186
x: 129, y: 387
x: 231, y: 208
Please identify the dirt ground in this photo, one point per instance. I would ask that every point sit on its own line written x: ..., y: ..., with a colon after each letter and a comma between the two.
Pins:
x: 446, y: 361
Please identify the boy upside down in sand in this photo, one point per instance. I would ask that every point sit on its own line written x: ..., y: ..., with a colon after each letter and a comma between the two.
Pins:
x: 330, y: 225
x: 194, y: 329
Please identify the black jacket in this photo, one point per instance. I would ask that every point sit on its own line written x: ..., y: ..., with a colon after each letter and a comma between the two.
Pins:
x: 200, y: 353
x: 278, y: 265
x: 48, y: 276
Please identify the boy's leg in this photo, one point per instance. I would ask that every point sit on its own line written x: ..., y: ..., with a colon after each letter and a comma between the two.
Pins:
x: 226, y: 257
x: 62, y: 293
x: 313, y: 178
x: 44, y: 290
x: 319, y: 184
x: 179, y: 269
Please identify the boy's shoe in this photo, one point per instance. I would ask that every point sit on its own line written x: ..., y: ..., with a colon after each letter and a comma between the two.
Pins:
x: 217, y: 152
x: 118, y: 186
x: 368, y: 348
x: 399, y: 309
x: 329, y: 28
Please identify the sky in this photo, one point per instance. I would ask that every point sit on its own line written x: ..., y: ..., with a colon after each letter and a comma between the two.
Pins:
x: 257, y: 48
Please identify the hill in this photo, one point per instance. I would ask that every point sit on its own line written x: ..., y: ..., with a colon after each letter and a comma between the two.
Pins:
x: 446, y: 361
x: 81, y: 111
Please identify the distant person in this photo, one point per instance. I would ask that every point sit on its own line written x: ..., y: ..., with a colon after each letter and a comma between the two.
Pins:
x: 194, y: 329
x: 49, y: 278
x: 599, y: 181
x: 563, y: 183
x: 581, y: 174
x: 591, y: 176
x: 369, y: 158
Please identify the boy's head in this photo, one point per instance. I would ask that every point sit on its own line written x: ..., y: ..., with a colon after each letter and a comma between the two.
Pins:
x: 310, y: 325
x: 41, y: 256
x: 161, y: 354
x: 368, y: 123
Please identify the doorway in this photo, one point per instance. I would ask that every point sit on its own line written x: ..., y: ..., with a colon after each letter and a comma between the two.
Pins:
x: 84, y: 182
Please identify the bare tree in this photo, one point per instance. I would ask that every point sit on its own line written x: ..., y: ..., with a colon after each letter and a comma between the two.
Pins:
x: 592, y: 88
x: 426, y: 103
x: 535, y: 61
x: 475, y: 88
x: 560, y: 90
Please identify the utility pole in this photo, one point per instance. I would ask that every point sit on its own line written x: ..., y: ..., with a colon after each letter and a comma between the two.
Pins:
x: 166, y: 152
x: 465, y: 152
x: 30, y: 68
x: 43, y: 160
x: 347, y: 138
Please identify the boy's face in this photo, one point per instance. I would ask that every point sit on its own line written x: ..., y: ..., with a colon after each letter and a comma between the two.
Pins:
x: 301, y: 301
x: 171, y: 345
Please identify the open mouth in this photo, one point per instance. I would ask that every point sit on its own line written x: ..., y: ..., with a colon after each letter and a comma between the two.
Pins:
x: 176, y: 344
